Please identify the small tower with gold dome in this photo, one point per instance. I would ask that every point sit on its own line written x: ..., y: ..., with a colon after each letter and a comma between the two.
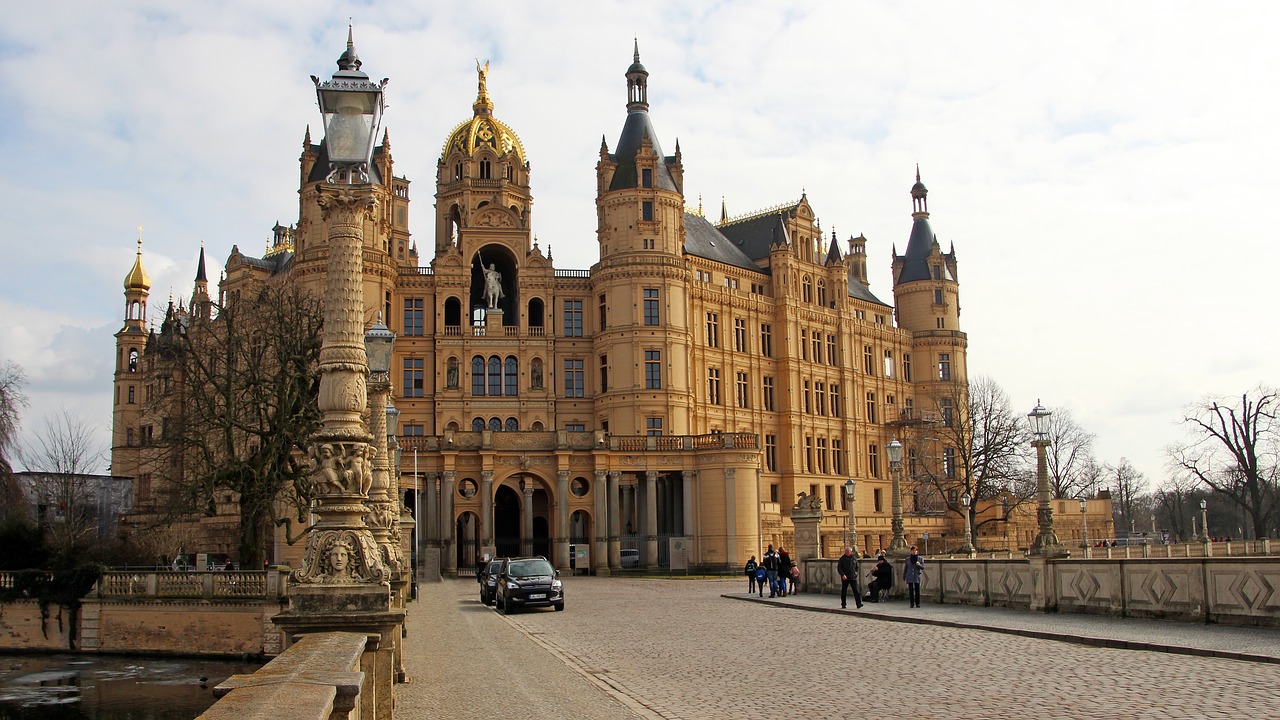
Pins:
x: 131, y: 342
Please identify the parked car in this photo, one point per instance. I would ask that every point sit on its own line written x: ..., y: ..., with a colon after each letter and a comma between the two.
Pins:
x: 630, y: 558
x: 528, y: 582
x: 487, y: 576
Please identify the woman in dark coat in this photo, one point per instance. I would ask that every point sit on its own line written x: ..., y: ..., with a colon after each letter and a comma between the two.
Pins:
x: 882, y: 581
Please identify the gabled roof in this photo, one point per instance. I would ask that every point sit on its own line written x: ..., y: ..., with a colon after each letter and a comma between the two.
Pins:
x: 702, y: 239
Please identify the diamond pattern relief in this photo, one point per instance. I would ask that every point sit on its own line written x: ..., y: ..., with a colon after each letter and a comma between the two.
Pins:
x: 964, y: 581
x: 1159, y: 587
x: 1252, y: 590
x: 1085, y: 586
x: 1011, y: 582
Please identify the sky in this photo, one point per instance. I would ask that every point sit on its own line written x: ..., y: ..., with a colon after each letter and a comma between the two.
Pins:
x: 1106, y: 171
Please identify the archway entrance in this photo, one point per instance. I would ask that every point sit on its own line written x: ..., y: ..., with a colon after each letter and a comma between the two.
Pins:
x: 506, y: 521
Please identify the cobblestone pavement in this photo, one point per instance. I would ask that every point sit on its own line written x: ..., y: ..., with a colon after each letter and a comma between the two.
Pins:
x: 680, y: 649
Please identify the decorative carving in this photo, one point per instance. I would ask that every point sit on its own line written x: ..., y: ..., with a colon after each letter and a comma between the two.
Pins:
x: 338, y: 468
x: 807, y: 502
x: 494, y: 218
x: 340, y: 557
x: 344, y: 203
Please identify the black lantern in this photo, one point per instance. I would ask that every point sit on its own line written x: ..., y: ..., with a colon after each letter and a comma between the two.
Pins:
x: 351, y: 108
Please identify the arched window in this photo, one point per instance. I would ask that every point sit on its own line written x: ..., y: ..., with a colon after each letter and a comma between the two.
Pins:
x: 495, y: 375
x: 477, y: 424
x: 452, y: 312
x: 495, y: 424
x: 537, y: 426
x: 486, y: 169
x: 509, y: 376
x: 822, y: 292
x: 806, y: 289
x: 512, y: 424
x: 133, y: 360
x: 477, y: 375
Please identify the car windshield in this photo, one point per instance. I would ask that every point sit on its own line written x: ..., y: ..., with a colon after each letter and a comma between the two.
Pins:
x: 494, y: 566
x: 529, y: 568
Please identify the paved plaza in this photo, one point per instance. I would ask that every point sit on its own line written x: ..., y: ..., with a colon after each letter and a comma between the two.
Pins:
x: 702, y: 649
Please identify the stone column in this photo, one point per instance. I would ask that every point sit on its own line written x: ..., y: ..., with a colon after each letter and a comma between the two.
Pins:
x: 615, y: 521
x: 526, y: 521
x: 342, y: 583
x: 687, y: 522
x: 560, y: 545
x: 651, y: 518
x: 447, y: 524
x: 486, y: 512
x: 429, y: 528
x: 731, y: 519
x: 600, y: 524
x: 383, y: 505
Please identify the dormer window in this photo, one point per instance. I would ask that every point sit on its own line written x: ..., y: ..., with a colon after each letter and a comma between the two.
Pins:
x: 646, y: 178
x: 937, y: 272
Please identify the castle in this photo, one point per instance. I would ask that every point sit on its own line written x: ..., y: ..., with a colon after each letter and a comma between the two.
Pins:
x: 690, y: 384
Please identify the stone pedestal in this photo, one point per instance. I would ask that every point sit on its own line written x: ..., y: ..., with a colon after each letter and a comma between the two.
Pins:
x: 808, y: 540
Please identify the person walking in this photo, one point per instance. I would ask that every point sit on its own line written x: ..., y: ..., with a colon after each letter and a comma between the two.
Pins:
x: 911, y: 575
x: 770, y: 564
x: 847, y: 566
x: 751, y: 574
x: 784, y: 571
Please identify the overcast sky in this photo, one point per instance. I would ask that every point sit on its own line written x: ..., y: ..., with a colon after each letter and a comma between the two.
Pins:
x: 1106, y: 171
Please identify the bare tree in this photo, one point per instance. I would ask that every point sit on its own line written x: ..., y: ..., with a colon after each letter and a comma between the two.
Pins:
x: 12, y: 401
x: 242, y: 406
x: 1131, y: 501
x: 979, y: 447
x: 1175, y: 502
x: 1069, y: 457
x: 64, y: 455
x: 1235, y: 451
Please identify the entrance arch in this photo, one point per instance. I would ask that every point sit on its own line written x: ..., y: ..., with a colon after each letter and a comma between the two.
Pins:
x: 506, y: 521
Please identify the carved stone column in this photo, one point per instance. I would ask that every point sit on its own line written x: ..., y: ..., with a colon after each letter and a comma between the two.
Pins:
x: 526, y: 519
x: 382, y: 508
x: 615, y: 521
x: 447, y: 524
x: 651, y: 518
x: 486, y: 512
x: 560, y: 547
x: 600, y: 524
x: 342, y: 584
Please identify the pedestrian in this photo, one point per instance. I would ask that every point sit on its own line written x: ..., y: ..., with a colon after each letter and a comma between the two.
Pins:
x: 847, y: 566
x: 770, y: 564
x: 751, y: 568
x: 911, y: 574
x: 760, y: 580
x: 784, y: 570
x: 882, y: 575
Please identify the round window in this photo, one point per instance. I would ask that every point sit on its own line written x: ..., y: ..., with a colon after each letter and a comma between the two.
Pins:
x: 467, y: 488
x: 579, y: 487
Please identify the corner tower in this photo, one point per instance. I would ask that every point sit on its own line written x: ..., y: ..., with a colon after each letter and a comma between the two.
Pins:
x: 131, y: 344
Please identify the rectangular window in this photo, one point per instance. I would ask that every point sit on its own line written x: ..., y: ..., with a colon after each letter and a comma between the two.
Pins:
x: 835, y: 401
x: 944, y: 366
x: 575, y: 427
x: 739, y: 335
x: 873, y: 460
x: 773, y: 492
x: 947, y: 409
x: 807, y: 407
x: 820, y: 397
x: 868, y: 359
x: 771, y: 455
x: 871, y: 407
x: 827, y: 492
x: 808, y: 453
x: 743, y: 391
x: 937, y: 297
x: 653, y: 369
x: 131, y: 395
x: 837, y: 457
x: 604, y: 373
x: 768, y: 393
x: 949, y: 463
x: 646, y: 211
x: 906, y: 367
x: 713, y: 330
x: 414, y: 430
x: 603, y: 308
x: 413, y: 316
x: 766, y: 340
x: 831, y: 350
x: 653, y: 426
x: 713, y: 386
x: 646, y: 178
x: 817, y: 346
x: 804, y: 344
x: 822, y: 455
x: 876, y: 501
x: 574, y: 381
x: 651, y: 306
x: 413, y: 377
x: 573, y: 318
x: 888, y: 363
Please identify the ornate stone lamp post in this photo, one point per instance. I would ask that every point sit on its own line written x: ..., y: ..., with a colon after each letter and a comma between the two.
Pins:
x: 1204, y: 521
x: 850, y: 522
x: 965, y: 501
x: 1046, y: 543
x: 383, y: 510
x: 1084, y: 526
x: 898, y: 545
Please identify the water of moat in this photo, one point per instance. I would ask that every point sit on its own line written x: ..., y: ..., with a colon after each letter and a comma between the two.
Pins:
x: 96, y: 687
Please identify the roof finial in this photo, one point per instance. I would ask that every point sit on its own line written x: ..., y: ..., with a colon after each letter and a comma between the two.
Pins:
x: 917, y: 172
x: 349, y: 60
x: 482, y: 103
x: 637, y: 53
x: 139, y: 239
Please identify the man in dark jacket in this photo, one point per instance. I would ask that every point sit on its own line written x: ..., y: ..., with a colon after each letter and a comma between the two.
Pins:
x: 770, y: 564
x: 847, y: 566
x: 883, y: 574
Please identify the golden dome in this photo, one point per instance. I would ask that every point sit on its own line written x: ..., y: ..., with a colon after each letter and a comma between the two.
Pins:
x: 137, y: 278
x: 483, y: 131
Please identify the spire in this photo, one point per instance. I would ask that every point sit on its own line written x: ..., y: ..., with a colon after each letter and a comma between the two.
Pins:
x: 137, y: 278
x: 919, y: 199
x: 349, y: 60
x: 724, y: 211
x: 200, y: 275
x: 306, y: 139
x: 483, y: 104
x: 637, y: 84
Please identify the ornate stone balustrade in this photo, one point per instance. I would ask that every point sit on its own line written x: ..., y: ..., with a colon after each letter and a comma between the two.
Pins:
x: 210, y: 585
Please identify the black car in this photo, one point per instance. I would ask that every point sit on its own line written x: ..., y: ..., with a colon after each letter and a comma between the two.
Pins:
x: 487, y: 576
x: 528, y: 582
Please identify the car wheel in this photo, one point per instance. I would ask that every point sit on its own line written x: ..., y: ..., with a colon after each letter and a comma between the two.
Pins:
x: 505, y: 609
x: 559, y: 606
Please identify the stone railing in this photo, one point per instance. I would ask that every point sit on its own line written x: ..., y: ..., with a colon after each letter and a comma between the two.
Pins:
x: 1227, y: 590
x: 320, y: 677
x: 207, y: 585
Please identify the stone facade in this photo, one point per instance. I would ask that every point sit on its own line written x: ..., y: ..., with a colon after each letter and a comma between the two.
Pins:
x: 691, y: 383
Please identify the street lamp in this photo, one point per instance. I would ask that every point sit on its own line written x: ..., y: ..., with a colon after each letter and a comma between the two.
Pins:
x: 850, y: 524
x: 1084, y: 526
x: 1204, y: 521
x: 966, y: 499
x: 1046, y: 543
x: 897, y: 546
